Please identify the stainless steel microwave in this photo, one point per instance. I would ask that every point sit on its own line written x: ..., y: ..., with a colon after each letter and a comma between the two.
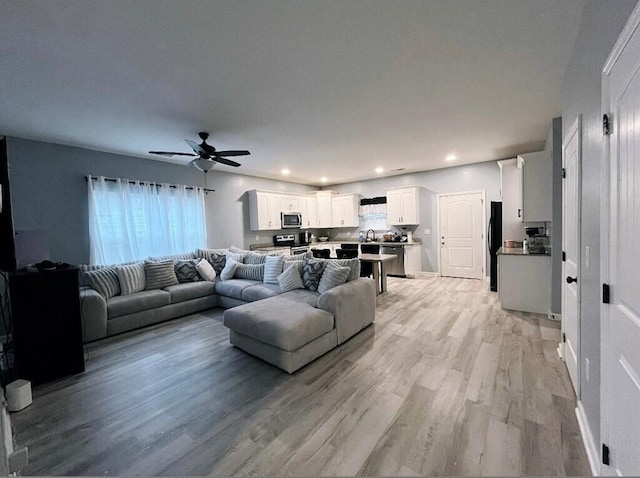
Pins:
x: 291, y: 220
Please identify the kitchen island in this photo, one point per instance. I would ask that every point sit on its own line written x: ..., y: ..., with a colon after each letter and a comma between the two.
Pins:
x: 524, y: 280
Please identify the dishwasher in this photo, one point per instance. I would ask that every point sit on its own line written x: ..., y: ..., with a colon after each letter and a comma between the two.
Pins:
x: 396, y: 266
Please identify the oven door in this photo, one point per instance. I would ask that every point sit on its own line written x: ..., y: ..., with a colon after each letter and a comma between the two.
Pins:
x: 291, y: 220
x: 299, y: 250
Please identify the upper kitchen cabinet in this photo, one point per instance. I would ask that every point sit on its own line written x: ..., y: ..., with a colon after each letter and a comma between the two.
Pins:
x: 511, y: 194
x: 323, y: 208
x: 403, y: 206
x: 264, y: 210
x: 289, y: 203
x: 537, y: 183
x: 308, y: 209
x: 344, y: 210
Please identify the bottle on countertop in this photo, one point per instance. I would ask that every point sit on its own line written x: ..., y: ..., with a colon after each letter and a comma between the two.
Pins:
x: 525, y: 245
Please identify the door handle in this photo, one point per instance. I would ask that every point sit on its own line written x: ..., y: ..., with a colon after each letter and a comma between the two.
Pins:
x: 571, y: 279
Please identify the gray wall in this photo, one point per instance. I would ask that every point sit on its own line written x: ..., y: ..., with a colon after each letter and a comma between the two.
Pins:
x: 49, y: 192
x: 601, y: 24
x: 471, y: 177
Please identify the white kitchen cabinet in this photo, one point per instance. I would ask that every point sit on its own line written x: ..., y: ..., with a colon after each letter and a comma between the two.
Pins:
x: 403, y: 206
x: 264, y: 210
x: 344, y: 210
x: 308, y: 209
x: 524, y: 282
x: 323, y: 208
x: 412, y: 259
x: 511, y: 194
x: 537, y: 184
x: 289, y: 203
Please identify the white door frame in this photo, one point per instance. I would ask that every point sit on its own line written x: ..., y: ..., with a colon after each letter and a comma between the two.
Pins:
x: 576, y: 129
x: 484, y: 225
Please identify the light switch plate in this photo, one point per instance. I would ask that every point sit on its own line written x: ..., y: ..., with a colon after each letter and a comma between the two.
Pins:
x: 427, y: 232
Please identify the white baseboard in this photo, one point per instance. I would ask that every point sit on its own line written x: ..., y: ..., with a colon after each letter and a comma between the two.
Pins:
x: 552, y: 316
x: 587, y: 438
x: 427, y: 274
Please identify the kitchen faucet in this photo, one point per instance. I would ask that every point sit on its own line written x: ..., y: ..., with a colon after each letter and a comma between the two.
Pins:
x: 373, y: 235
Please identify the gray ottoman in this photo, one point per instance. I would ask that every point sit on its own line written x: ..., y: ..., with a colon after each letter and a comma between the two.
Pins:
x: 286, y: 333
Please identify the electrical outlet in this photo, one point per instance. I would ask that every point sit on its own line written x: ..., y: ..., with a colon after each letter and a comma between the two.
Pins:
x: 427, y: 232
x: 586, y: 368
x: 257, y: 237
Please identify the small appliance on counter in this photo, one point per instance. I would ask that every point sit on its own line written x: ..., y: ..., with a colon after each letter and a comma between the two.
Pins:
x: 304, y: 238
x: 537, y: 243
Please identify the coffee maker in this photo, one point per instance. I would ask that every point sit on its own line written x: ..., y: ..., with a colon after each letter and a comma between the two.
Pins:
x: 304, y: 238
x: 538, y: 242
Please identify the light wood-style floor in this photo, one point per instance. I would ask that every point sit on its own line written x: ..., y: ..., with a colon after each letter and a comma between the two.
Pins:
x: 444, y: 383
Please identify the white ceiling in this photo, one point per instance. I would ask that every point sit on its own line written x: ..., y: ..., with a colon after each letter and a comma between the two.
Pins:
x: 328, y: 88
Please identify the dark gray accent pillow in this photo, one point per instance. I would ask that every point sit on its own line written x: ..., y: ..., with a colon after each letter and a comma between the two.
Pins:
x: 186, y: 270
x: 312, y: 273
x: 159, y: 274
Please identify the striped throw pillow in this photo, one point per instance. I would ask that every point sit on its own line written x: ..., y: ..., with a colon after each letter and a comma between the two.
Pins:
x: 236, y: 257
x: 290, y: 279
x: 250, y: 272
x: 255, y: 258
x: 272, y: 269
x: 104, y: 280
x: 159, y: 274
x: 352, y: 264
x: 132, y: 278
x: 333, y: 276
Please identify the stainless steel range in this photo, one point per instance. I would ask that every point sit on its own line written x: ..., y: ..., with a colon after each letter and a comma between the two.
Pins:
x: 283, y: 240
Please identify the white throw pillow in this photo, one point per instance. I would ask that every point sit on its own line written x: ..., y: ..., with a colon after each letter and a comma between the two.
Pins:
x: 206, y: 271
x: 290, y: 279
x: 229, y: 269
x: 333, y: 276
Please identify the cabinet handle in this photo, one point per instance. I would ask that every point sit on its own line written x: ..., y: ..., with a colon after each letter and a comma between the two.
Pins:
x: 519, y: 212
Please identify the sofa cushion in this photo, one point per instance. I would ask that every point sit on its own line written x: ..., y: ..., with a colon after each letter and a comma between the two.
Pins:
x: 303, y: 296
x: 279, y: 322
x: 186, y: 270
x: 190, y: 290
x: 131, y: 277
x: 129, y: 304
x: 260, y: 291
x: 233, y: 287
x: 159, y: 274
x: 105, y: 281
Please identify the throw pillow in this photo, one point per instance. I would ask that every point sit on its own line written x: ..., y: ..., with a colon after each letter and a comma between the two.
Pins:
x: 206, y: 270
x: 236, y: 257
x: 217, y: 260
x: 255, y: 258
x: 297, y: 264
x: 312, y: 273
x: 272, y: 269
x: 186, y: 270
x: 104, y: 281
x: 333, y: 276
x: 131, y: 277
x: 159, y: 274
x: 229, y: 269
x: 290, y: 279
x: 352, y: 264
x: 249, y: 271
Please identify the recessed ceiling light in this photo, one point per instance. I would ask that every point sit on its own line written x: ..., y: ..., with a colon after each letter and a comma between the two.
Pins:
x: 285, y: 171
x: 379, y: 170
x: 452, y: 157
x: 323, y: 179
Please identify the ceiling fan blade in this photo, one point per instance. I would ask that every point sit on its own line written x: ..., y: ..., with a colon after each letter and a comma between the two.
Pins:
x: 199, y: 150
x: 226, y: 161
x: 170, y: 153
x: 232, y: 153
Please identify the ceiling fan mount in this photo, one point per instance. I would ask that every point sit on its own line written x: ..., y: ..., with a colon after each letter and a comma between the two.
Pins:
x: 206, y: 155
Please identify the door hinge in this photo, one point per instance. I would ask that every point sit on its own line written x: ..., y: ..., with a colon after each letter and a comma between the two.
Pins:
x: 564, y: 173
x: 606, y: 124
x: 564, y: 256
x: 564, y: 337
x: 606, y: 293
x: 605, y: 454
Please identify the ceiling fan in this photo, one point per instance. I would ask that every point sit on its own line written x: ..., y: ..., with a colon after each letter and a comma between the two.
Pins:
x: 206, y: 155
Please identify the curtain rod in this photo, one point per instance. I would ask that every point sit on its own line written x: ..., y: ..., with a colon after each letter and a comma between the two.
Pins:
x: 113, y: 180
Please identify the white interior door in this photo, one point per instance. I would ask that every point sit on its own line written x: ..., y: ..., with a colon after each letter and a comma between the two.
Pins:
x: 571, y: 249
x: 461, y: 228
x: 621, y: 261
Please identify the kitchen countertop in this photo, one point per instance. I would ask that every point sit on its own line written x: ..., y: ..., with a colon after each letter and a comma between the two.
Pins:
x: 517, y: 251
x: 382, y: 243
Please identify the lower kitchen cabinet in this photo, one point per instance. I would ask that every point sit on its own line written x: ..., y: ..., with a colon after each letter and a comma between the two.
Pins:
x: 524, y: 282
x: 412, y: 259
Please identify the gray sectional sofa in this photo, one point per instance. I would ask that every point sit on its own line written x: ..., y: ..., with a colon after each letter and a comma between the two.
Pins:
x: 285, y: 328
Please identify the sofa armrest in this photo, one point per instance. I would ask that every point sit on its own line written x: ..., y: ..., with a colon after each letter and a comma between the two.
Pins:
x: 353, y: 305
x: 94, y: 314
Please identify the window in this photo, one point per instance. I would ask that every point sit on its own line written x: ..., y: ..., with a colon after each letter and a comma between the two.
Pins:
x: 373, y: 216
x: 132, y: 220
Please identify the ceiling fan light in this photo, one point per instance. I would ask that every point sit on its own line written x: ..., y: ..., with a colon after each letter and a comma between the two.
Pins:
x: 203, y: 165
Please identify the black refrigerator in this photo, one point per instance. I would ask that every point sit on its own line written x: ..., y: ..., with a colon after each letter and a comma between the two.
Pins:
x: 494, y: 241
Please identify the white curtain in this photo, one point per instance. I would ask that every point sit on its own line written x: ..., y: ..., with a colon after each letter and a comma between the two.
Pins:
x: 132, y: 220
